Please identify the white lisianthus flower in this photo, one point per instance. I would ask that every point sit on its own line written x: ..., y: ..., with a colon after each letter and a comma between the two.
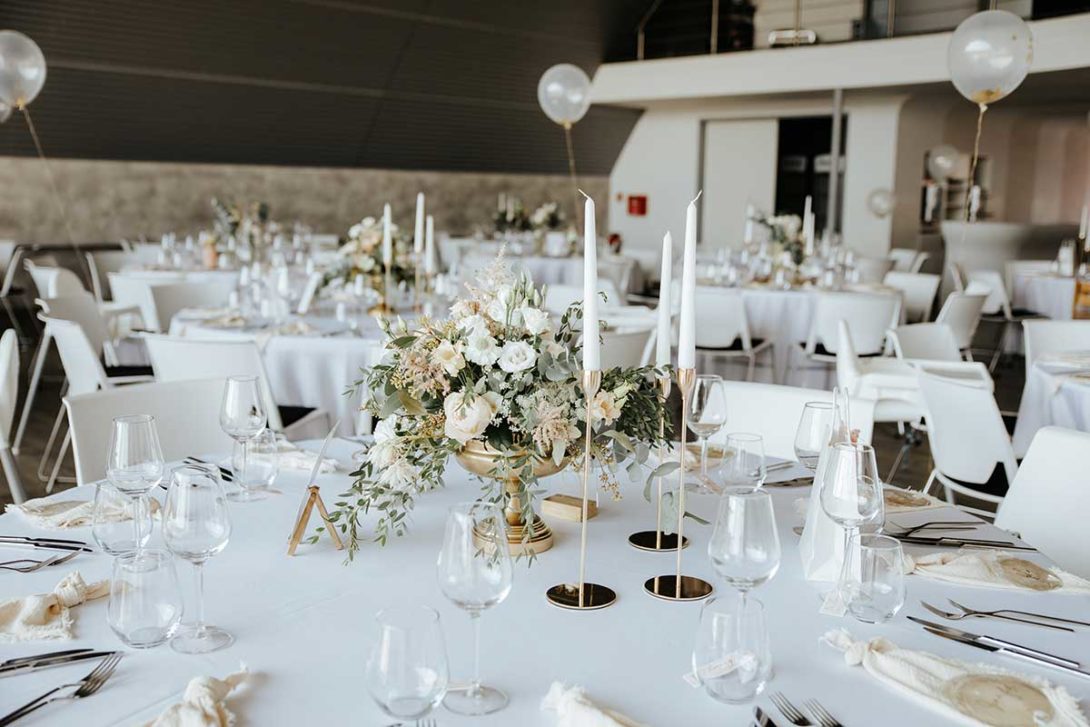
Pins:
x: 398, y: 475
x: 386, y: 429
x: 603, y: 408
x: 517, y: 356
x: 383, y: 454
x: 481, y: 348
x: 449, y: 356
x: 467, y: 420
x: 535, y: 320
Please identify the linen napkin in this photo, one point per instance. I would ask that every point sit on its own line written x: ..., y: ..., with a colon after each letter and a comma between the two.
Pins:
x: 901, y: 500
x: 63, y: 514
x: 575, y: 709
x: 291, y: 457
x: 48, y: 615
x: 202, y: 704
x: 995, y: 569
x: 970, y: 694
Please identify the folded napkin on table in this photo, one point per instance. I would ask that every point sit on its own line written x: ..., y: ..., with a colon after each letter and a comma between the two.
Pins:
x: 61, y: 514
x: 575, y: 709
x: 972, y: 694
x: 48, y: 615
x: 291, y: 457
x: 994, y: 568
x: 202, y: 704
x: 897, y: 499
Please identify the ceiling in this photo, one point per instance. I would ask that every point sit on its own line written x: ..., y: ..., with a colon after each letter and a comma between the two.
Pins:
x: 406, y: 84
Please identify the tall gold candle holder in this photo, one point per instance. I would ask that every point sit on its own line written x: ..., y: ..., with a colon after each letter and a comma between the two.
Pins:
x: 584, y: 596
x: 678, y: 587
x: 385, y: 308
x: 656, y: 540
x: 418, y: 292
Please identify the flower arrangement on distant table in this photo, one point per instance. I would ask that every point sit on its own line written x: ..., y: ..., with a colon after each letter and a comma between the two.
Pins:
x: 362, y: 255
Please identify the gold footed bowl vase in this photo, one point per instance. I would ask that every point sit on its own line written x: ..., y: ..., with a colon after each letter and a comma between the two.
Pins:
x: 484, y: 461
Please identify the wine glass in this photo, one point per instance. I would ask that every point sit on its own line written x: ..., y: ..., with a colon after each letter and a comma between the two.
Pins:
x: 707, y: 414
x: 744, y: 461
x: 474, y: 571
x: 732, y: 658
x: 145, y: 603
x: 851, y: 492
x: 197, y: 526
x: 813, y: 433
x: 745, y: 547
x: 407, y: 670
x: 134, y: 464
x: 242, y: 417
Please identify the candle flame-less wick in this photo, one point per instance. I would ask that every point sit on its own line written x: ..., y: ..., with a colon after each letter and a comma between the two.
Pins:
x: 582, y: 193
x: 697, y: 196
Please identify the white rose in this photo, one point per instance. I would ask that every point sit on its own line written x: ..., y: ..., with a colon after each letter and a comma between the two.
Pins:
x: 398, y: 475
x: 517, y: 356
x: 386, y: 429
x: 467, y: 419
x: 535, y: 320
x: 383, y: 454
x: 481, y: 348
x: 449, y: 356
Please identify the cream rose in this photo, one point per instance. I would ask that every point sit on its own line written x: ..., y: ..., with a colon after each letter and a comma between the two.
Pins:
x: 603, y: 408
x: 449, y: 356
x: 517, y: 356
x: 467, y: 420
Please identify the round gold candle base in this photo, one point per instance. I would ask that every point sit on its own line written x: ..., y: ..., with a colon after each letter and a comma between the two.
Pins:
x: 653, y: 541
x: 541, y: 538
x: 566, y: 595
x: 664, y: 587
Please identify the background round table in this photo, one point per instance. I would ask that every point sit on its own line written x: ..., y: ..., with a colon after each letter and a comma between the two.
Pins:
x: 1044, y: 293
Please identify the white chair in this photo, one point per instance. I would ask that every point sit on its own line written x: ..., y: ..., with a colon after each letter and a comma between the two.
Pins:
x: 185, y: 359
x: 626, y: 349
x: 969, y: 443
x: 103, y: 262
x: 925, y: 342
x: 961, y: 312
x: 135, y: 291
x: 1047, y: 336
x: 559, y: 297
x: 722, y: 329
x: 1014, y: 268
x: 872, y: 269
x: 186, y: 418
x: 868, y: 316
x: 618, y: 270
x: 918, y: 291
x: 997, y: 308
x: 903, y: 259
x: 773, y: 411
x: 169, y: 298
x: 9, y: 394
x: 1049, y: 498
x: 53, y: 281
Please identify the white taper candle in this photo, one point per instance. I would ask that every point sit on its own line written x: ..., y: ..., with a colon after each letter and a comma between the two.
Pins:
x: 429, y: 247
x: 592, y: 359
x: 665, y: 335
x: 387, y: 238
x: 686, y: 342
x: 418, y: 231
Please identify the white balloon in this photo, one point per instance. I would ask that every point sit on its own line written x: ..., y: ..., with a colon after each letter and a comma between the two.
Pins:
x: 880, y: 202
x: 564, y: 93
x: 989, y: 55
x: 22, y: 69
x: 941, y: 161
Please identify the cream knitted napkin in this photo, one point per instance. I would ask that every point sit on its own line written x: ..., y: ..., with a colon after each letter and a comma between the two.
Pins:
x: 62, y: 514
x: 575, y: 709
x: 995, y: 569
x: 964, y: 693
x: 202, y: 704
x: 48, y: 615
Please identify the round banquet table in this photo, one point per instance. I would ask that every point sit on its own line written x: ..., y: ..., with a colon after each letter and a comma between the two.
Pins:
x: 1055, y: 394
x: 165, y: 275
x: 1045, y: 293
x: 304, y: 625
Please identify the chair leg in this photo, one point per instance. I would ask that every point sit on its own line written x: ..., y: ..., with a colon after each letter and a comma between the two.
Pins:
x: 11, y: 473
x: 752, y: 364
x: 910, y: 441
x: 43, y: 463
x: 32, y: 390
x: 60, y: 460
x: 999, y: 347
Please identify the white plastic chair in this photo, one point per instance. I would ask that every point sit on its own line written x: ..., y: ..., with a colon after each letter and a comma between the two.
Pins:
x: 961, y: 312
x: 903, y: 259
x: 103, y: 262
x: 722, y: 329
x: 1049, y: 498
x: 868, y: 315
x: 925, y: 342
x: 185, y: 359
x: 186, y: 418
x: 1013, y: 268
x: 1046, y: 337
x: 135, y: 292
x: 559, y: 297
x: 9, y: 394
x: 618, y: 270
x: 918, y: 292
x: 997, y: 308
x: 625, y: 349
x: 969, y: 443
x: 872, y: 269
x: 53, y: 281
x: 169, y: 298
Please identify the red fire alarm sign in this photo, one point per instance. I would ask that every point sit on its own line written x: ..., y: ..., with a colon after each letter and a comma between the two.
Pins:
x: 637, y: 205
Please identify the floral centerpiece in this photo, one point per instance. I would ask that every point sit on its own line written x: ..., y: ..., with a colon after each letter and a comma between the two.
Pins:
x: 548, y: 217
x: 786, y: 234
x: 498, y: 378
x: 514, y: 218
x: 248, y: 228
x: 362, y: 255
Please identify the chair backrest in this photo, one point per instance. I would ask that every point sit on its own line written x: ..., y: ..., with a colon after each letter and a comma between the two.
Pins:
x: 918, y: 292
x: 52, y: 281
x: 773, y: 411
x: 81, y: 308
x: 1044, y: 337
x: 186, y: 418
x: 559, y: 297
x: 918, y: 263
x: 872, y: 269
x: 80, y: 360
x: 618, y: 270
x: 132, y: 290
x: 1049, y: 498
x: 903, y: 258
x: 925, y: 342
x: 170, y: 298
x: 868, y: 315
x: 9, y: 384
x: 961, y: 312
x: 992, y: 281
x: 624, y: 349
x: 104, y: 262
x: 965, y: 428
x: 720, y: 318
x: 183, y: 359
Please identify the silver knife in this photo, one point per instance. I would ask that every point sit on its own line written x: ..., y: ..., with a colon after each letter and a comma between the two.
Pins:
x: 997, y: 643
x: 46, y: 662
x: 964, y: 543
x: 46, y: 546
x: 761, y: 718
x: 1007, y: 652
x: 28, y: 539
x: 47, y: 655
x: 321, y: 453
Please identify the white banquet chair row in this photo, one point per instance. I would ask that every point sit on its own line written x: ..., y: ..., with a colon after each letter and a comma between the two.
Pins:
x: 868, y: 317
x: 722, y: 328
x: 159, y: 299
x: 870, y: 270
x: 961, y: 312
x: 918, y: 291
x: 9, y: 394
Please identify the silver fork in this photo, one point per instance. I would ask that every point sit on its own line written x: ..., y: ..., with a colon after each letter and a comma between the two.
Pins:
x: 84, y: 688
x: 790, y: 711
x: 953, y: 616
x: 998, y: 614
x: 426, y: 723
x: 822, y: 714
x: 34, y: 565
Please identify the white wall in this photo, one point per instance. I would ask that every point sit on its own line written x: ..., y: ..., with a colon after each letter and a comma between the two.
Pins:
x: 870, y: 156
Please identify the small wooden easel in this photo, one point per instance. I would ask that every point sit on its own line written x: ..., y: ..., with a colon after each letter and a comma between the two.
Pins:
x: 302, y: 520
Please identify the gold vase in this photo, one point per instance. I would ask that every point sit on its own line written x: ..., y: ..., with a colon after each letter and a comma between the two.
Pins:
x: 484, y: 461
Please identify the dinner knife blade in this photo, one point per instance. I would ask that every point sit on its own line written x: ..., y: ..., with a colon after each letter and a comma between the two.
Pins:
x: 46, y: 663
x: 46, y: 546
x: 998, y: 643
x: 963, y: 543
x: 761, y: 718
x: 1007, y: 652
x: 29, y: 539
x: 47, y: 655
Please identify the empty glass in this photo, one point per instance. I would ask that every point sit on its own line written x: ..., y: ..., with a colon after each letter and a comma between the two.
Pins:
x: 851, y: 493
x: 262, y: 464
x: 242, y: 417
x: 407, y: 669
x: 474, y: 572
x: 732, y: 659
x: 197, y: 526
x: 145, y: 601
x: 745, y: 547
x: 813, y: 433
x: 134, y: 464
x: 707, y: 414
x: 876, y: 578
x: 744, y: 461
x: 114, y: 521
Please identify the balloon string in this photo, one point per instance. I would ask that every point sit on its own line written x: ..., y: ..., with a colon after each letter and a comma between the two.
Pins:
x: 571, y: 171
x: 976, y: 158
x: 49, y: 175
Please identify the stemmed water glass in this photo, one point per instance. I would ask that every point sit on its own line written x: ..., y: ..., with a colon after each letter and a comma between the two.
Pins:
x: 707, y: 415
x: 197, y: 526
x: 242, y: 417
x: 745, y: 547
x: 851, y: 493
x: 474, y: 572
x: 135, y: 464
x: 744, y: 461
x: 407, y: 670
x: 814, y: 430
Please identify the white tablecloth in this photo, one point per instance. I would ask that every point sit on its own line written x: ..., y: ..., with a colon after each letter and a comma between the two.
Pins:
x: 193, y: 276
x: 305, y: 624
x: 1045, y: 293
x: 1051, y: 397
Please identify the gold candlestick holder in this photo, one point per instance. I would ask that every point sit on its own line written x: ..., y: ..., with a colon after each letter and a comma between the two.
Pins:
x: 656, y: 540
x: 584, y: 596
x: 675, y: 586
x: 385, y: 308
x: 418, y: 293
